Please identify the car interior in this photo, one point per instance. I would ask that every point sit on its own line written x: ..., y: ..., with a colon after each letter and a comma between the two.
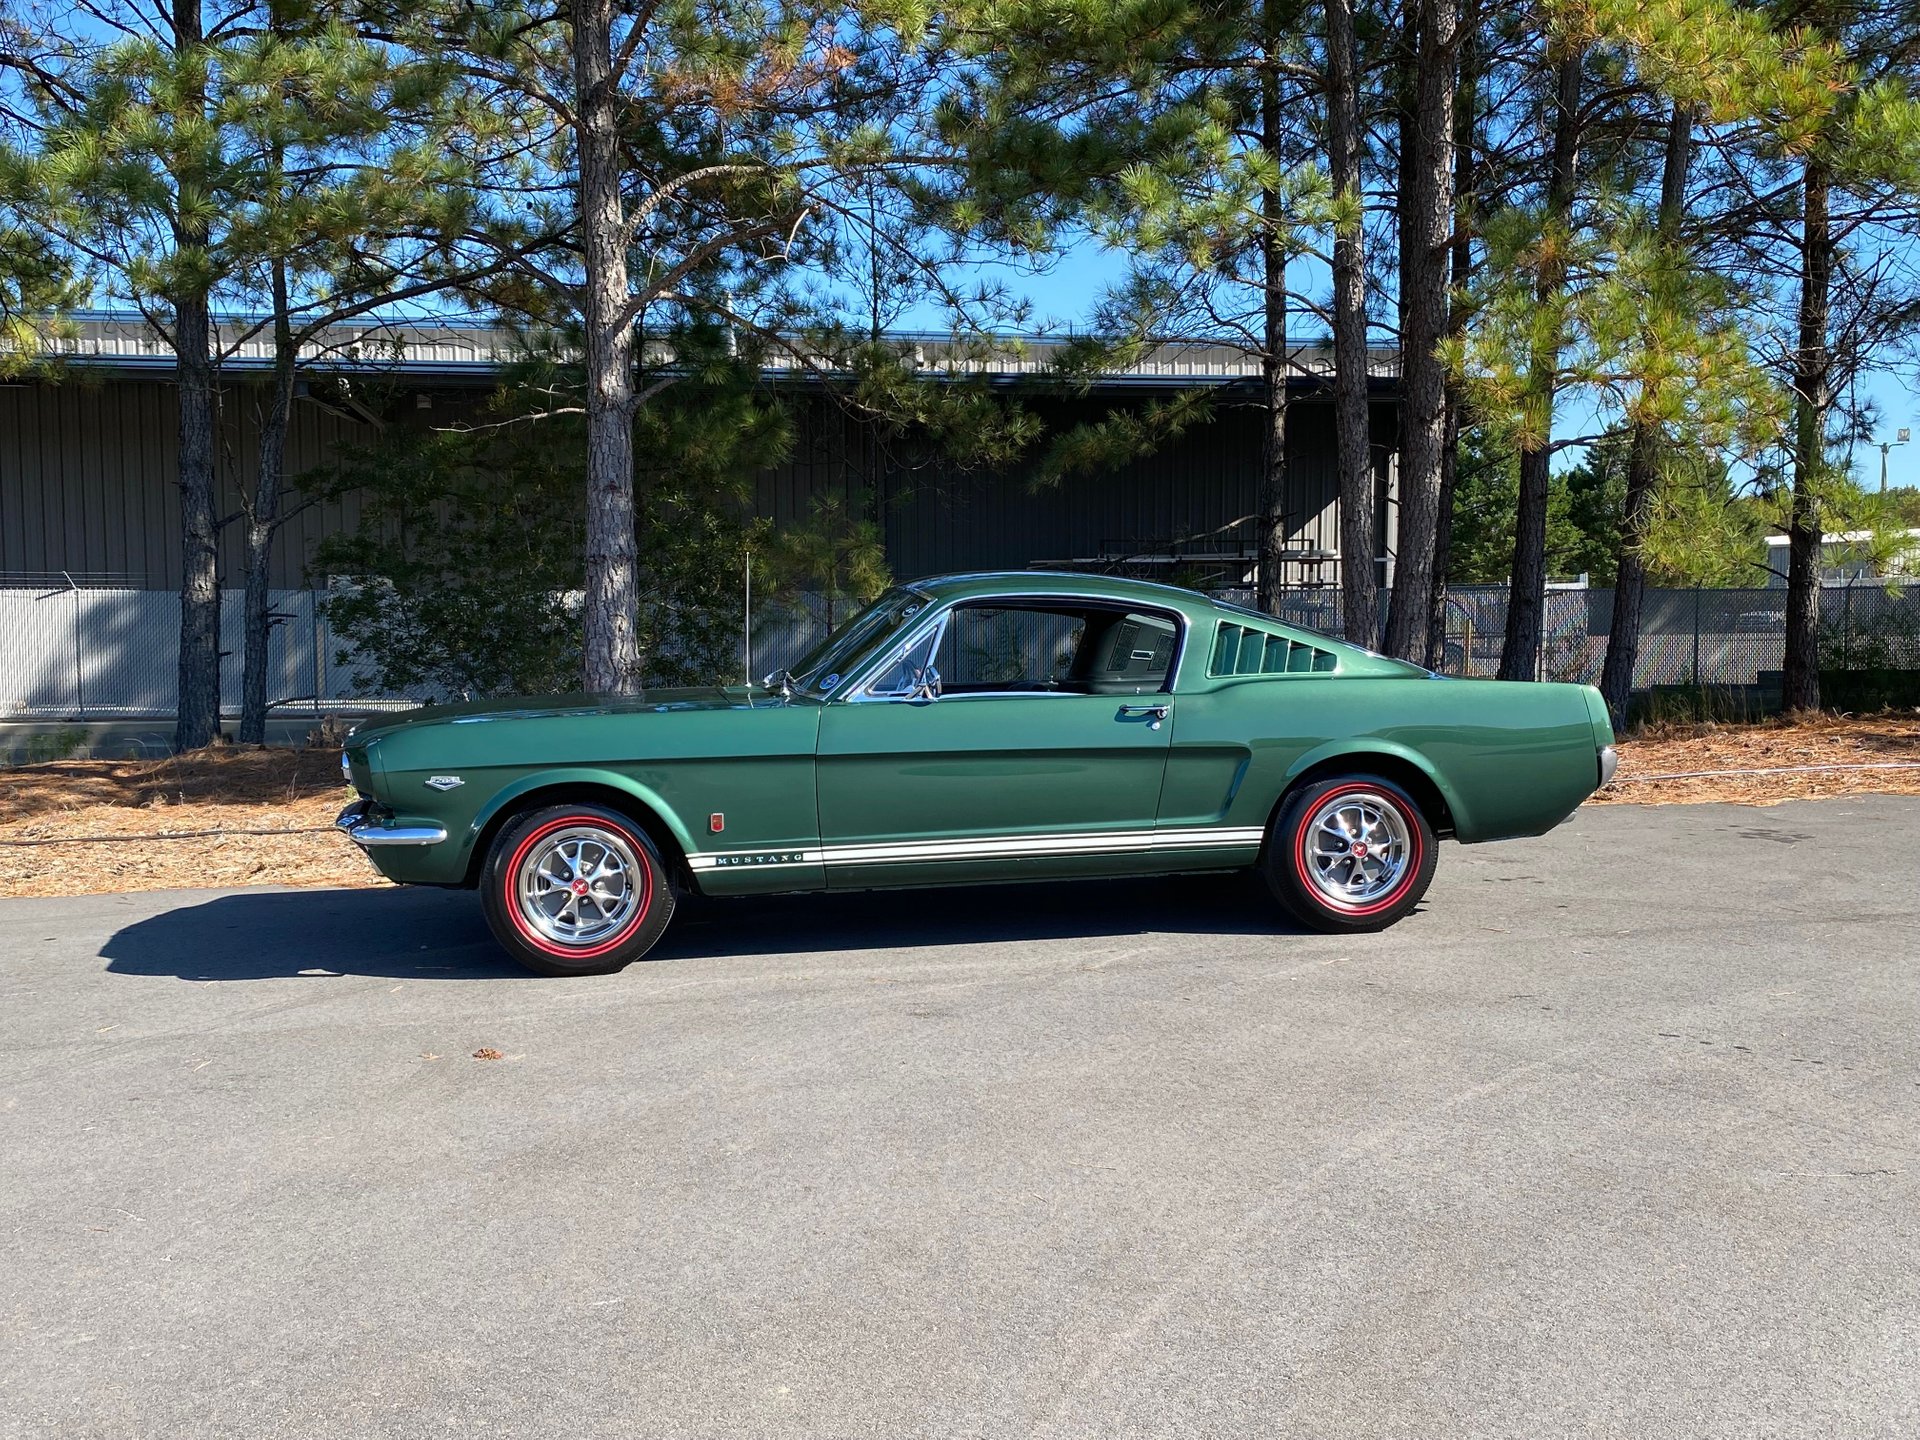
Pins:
x: 999, y: 649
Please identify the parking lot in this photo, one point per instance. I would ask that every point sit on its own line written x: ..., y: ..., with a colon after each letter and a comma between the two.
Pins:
x: 1616, y: 1136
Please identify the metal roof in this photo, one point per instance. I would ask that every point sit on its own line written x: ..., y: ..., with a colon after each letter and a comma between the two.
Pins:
x: 469, y: 351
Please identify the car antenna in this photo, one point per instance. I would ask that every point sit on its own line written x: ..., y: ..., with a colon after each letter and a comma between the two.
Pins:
x: 747, y: 623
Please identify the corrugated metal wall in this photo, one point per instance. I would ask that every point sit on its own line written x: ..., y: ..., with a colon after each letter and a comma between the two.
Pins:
x: 87, y: 480
x: 938, y: 519
x: 87, y: 485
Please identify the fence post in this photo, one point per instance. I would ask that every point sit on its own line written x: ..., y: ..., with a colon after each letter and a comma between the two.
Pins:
x: 1696, y: 633
x: 319, y: 650
x: 79, y: 681
x: 1846, y: 625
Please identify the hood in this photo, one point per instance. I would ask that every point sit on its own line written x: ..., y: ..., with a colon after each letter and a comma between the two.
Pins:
x: 536, y: 707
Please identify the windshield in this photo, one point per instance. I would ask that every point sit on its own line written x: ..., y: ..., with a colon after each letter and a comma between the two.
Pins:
x: 849, y: 647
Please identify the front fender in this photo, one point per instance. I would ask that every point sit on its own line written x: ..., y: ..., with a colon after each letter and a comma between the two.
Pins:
x: 451, y: 861
x: 509, y: 795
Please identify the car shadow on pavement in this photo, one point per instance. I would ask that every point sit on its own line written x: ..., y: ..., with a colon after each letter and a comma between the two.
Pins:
x: 440, y: 935
x: 973, y: 915
x: 268, y: 934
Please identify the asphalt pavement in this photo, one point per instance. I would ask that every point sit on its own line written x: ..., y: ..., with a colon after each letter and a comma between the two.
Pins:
x: 1616, y: 1136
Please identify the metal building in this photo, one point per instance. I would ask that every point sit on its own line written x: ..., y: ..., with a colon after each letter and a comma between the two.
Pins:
x: 88, y: 496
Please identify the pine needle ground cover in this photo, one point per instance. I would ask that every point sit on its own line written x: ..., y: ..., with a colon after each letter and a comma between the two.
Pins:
x: 79, y: 827
x: 225, y: 818
x: 1780, y: 750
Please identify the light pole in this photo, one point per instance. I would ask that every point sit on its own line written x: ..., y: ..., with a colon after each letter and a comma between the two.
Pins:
x: 1900, y: 437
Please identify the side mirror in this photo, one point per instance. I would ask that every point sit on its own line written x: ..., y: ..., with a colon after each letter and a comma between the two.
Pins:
x: 926, y: 684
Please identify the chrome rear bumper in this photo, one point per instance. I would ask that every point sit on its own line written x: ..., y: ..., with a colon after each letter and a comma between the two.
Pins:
x: 358, y: 824
x: 1609, y: 762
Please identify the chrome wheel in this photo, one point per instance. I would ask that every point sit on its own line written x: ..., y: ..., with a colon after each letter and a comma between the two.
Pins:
x: 1356, y: 848
x: 580, y: 885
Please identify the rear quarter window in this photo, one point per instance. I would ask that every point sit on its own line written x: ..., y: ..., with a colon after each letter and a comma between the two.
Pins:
x: 1240, y: 649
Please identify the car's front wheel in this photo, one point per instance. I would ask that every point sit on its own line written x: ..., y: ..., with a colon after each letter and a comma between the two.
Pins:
x: 575, y: 890
x: 1349, y: 854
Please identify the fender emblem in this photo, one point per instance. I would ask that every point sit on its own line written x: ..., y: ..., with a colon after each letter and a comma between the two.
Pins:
x: 444, y: 782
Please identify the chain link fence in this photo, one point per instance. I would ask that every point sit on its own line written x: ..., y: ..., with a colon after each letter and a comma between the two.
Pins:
x: 89, y: 651
x: 77, y: 649
x: 1701, y: 637
x: 83, y: 652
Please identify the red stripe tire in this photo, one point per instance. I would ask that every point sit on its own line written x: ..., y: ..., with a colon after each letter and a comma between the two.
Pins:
x: 1348, y: 854
x: 575, y: 890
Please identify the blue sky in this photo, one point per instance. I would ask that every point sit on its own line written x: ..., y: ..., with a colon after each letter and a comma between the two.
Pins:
x: 1066, y: 293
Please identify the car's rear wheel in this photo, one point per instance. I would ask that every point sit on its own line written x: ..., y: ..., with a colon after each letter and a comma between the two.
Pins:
x: 575, y: 890
x: 1348, y: 854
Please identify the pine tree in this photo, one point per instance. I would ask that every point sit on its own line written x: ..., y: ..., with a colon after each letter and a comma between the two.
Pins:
x: 283, y: 159
x: 373, y: 185
x: 1181, y: 136
x: 1602, y: 288
x: 1467, y: 206
x: 1352, y: 421
x: 1643, y: 464
x: 36, y: 280
x: 121, y: 157
x: 1426, y: 206
x: 1696, y: 382
x: 720, y: 162
x: 1859, y: 180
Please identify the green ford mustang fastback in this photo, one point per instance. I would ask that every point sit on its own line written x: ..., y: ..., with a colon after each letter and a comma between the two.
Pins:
x: 1016, y: 726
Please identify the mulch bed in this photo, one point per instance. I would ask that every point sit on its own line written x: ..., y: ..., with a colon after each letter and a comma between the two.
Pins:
x: 76, y: 827
x: 1778, y: 746
x: 105, y: 820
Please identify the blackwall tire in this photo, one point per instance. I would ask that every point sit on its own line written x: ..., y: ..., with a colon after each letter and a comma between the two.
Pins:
x: 1349, y: 854
x: 576, y: 890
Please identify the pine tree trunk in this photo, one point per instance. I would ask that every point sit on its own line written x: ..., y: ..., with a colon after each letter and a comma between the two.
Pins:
x: 1436, y: 656
x: 1273, y: 448
x: 1353, y: 449
x: 198, y: 719
x: 612, y: 659
x: 1274, y: 363
x: 199, y: 716
x: 1812, y: 381
x: 1630, y: 574
x: 1527, y: 592
x: 1465, y: 118
x: 263, y: 520
x: 1426, y: 219
x: 1643, y: 463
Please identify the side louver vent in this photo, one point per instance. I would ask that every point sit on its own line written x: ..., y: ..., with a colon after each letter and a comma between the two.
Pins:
x: 1241, y: 650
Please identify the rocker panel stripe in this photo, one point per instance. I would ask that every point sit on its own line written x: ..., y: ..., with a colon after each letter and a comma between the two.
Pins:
x: 1211, y: 837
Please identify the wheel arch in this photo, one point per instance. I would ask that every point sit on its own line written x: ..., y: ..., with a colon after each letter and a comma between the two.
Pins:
x: 639, y: 804
x: 1407, y: 769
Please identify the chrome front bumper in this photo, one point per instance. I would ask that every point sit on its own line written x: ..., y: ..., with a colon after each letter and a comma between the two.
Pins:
x: 358, y: 824
x: 1609, y: 762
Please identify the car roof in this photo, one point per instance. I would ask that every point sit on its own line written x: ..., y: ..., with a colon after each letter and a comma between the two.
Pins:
x: 986, y: 584
x: 1199, y: 609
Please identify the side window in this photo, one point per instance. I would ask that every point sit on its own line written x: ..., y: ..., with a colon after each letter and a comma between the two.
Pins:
x: 986, y: 649
x: 1133, y: 655
x: 901, y: 675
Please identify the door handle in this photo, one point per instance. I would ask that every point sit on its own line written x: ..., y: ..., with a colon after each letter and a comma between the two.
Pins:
x: 1158, y: 712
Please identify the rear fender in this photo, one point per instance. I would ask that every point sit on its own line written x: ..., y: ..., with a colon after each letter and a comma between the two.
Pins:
x: 1361, y: 748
